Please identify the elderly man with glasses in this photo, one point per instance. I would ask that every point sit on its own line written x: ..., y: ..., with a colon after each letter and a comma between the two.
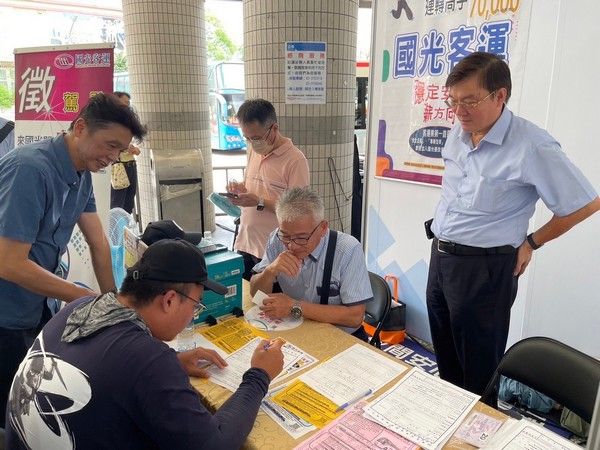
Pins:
x: 274, y: 165
x: 98, y: 375
x: 497, y: 166
x: 333, y: 291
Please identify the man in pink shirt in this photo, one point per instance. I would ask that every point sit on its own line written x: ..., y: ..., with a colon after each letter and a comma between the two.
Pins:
x: 274, y: 165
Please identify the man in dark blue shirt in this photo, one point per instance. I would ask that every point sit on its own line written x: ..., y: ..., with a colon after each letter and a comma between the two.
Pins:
x: 98, y: 375
x: 45, y: 189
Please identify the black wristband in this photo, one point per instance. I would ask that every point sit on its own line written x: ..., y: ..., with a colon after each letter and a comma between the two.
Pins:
x: 532, y: 243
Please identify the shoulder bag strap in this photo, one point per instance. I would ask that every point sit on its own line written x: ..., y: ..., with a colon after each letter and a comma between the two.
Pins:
x: 328, y: 267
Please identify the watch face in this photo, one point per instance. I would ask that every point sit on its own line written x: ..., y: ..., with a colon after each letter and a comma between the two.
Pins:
x: 296, y: 312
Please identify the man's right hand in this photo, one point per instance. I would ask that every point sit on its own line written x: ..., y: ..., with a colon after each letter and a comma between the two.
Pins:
x: 286, y: 264
x: 268, y: 357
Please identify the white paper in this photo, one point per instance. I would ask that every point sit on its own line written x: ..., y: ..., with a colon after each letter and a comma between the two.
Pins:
x: 291, y: 423
x: 351, y: 373
x: 424, y: 409
x: 259, y: 298
x: 238, y: 363
x: 523, y: 434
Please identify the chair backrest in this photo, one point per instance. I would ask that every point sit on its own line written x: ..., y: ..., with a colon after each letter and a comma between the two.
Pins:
x: 593, y: 442
x: 563, y: 373
x: 378, y: 309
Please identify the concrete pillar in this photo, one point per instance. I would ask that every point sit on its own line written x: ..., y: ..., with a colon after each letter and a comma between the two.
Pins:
x: 320, y: 131
x: 166, y: 51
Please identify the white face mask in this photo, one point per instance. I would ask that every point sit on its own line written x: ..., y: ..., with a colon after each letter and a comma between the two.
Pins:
x: 261, y: 147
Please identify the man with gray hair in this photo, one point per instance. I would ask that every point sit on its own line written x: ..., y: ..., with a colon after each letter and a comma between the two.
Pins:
x: 321, y: 272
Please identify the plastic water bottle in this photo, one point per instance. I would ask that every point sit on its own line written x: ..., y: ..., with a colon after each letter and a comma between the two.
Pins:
x: 185, y: 339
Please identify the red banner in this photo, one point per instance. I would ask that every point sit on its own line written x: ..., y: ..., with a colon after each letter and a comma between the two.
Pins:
x: 54, y: 85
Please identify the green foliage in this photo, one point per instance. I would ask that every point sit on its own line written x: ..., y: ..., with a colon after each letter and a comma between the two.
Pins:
x: 219, y: 45
x: 120, y: 62
x: 7, y: 97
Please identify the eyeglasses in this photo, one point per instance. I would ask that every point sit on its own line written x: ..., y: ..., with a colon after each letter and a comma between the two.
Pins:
x: 199, y: 307
x: 261, y: 139
x: 453, y: 104
x: 296, y: 240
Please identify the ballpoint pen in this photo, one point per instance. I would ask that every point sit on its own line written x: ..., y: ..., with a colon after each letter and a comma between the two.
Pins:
x: 354, y: 400
x: 268, y: 345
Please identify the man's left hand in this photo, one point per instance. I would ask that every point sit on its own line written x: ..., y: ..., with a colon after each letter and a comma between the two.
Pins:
x: 524, y: 254
x: 277, y: 306
x: 246, y: 199
x: 190, y: 359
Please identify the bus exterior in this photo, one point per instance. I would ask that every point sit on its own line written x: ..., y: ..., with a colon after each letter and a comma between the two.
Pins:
x: 226, y: 94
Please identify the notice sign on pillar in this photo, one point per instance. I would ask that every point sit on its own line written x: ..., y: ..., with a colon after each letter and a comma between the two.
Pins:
x: 305, y: 73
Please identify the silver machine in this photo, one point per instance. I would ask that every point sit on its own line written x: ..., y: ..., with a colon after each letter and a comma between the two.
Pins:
x: 179, y: 177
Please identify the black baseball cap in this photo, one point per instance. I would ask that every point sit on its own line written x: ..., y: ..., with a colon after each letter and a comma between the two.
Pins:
x: 168, y: 229
x: 175, y: 261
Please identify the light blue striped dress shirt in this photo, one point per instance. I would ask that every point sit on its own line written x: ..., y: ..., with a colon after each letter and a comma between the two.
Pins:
x: 489, y: 192
x: 349, y: 285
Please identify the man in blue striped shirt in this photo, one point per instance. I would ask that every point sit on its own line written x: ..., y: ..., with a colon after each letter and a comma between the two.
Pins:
x: 295, y: 258
x: 497, y: 167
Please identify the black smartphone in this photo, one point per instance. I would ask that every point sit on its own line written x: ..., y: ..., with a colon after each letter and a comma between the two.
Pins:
x: 228, y: 194
x: 428, y: 231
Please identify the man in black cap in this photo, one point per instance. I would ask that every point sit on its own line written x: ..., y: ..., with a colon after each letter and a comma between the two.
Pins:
x: 104, y: 379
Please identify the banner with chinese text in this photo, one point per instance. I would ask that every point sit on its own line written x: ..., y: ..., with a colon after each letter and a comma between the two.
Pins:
x: 417, y: 43
x: 52, y: 84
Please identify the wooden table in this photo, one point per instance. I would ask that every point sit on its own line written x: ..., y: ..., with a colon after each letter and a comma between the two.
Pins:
x: 321, y: 341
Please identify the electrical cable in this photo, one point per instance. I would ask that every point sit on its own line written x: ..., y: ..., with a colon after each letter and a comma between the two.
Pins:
x: 332, y: 170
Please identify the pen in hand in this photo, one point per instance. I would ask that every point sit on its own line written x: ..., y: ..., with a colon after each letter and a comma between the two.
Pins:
x: 354, y: 400
x: 268, y: 345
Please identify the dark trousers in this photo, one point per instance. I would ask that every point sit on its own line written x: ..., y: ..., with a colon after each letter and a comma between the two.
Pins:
x: 249, y: 262
x: 13, y: 348
x: 123, y: 198
x: 468, y: 302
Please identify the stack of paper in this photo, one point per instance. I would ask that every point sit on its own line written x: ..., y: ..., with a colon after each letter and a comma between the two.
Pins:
x: 238, y: 362
x: 231, y: 334
x: 424, y: 409
x: 321, y: 395
x: 352, y: 430
x: 517, y: 435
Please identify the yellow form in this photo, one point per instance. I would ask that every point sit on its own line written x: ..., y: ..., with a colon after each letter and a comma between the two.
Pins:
x: 303, y: 401
x: 231, y: 334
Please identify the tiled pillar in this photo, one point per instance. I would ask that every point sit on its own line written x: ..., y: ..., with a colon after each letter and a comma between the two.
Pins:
x: 166, y: 51
x: 320, y: 131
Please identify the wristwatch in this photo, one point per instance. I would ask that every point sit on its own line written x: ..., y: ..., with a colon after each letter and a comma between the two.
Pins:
x: 296, y: 311
x: 532, y: 243
x: 261, y: 204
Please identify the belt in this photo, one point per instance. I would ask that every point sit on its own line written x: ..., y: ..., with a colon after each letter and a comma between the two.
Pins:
x: 466, y: 250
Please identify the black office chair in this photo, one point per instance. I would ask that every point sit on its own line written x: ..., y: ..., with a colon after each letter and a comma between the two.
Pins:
x: 379, y: 308
x: 564, y: 374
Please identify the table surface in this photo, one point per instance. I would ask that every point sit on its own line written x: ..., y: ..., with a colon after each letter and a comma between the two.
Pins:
x: 320, y: 340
